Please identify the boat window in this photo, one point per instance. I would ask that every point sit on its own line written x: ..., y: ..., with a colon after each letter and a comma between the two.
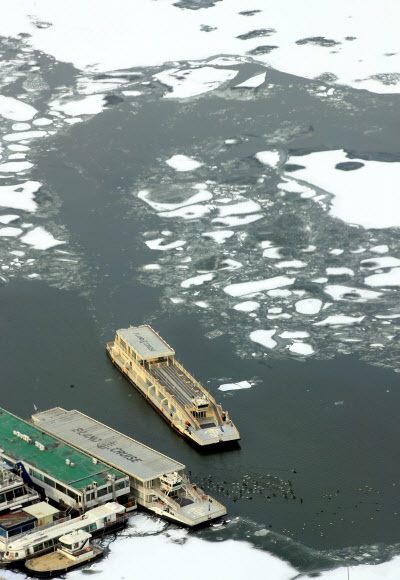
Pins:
x: 61, y: 488
x: 9, y: 496
x: 19, y: 491
x: 76, y: 546
x: 120, y: 485
x: 49, y: 481
x: 36, y: 474
x: 2, y: 497
x: 73, y: 495
x: 102, y: 492
x: 93, y: 527
x: 38, y: 547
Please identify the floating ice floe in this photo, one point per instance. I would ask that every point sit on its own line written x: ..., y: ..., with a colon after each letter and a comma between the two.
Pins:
x: 338, y: 292
x: 301, y: 348
x: 90, y: 86
x: 131, y: 93
x: 202, y: 195
x: 294, y: 334
x: 91, y: 105
x: 15, y: 166
x: 336, y: 252
x: 244, y: 288
x: 202, y: 304
x: 159, y: 244
x: 270, y: 158
x: 234, y: 221
x: 308, y: 306
x: 17, y: 147
x: 17, y: 156
x: 367, y: 196
x: 21, y: 196
x: 197, y: 280
x: 6, y: 219
x: 42, y: 121
x: 248, y: 306
x: 264, y: 337
x: 235, y: 386
x: 272, y: 253
x: 383, y: 249
x: 279, y: 293
x: 339, y: 271
x: 229, y: 264
x: 253, y: 82
x: 40, y: 239
x: 145, y: 525
x: 192, y: 82
x: 384, y: 262
x: 387, y: 316
x: 183, y: 163
x: 242, y: 208
x: 10, y: 232
x: 24, y: 136
x: 137, y: 36
x: 188, y: 212
x: 219, y: 236
x: 339, y: 320
x: 391, y: 278
x: 291, y: 264
x: 21, y: 127
x: 15, y: 110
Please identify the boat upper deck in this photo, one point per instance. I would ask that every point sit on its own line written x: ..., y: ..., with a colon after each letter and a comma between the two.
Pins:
x: 176, y: 383
x: 145, y: 342
x: 100, y: 441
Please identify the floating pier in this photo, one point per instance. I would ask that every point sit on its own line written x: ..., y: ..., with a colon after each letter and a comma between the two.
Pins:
x: 157, y: 481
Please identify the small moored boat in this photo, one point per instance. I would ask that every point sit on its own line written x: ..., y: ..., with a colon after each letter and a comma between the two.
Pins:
x: 73, y: 550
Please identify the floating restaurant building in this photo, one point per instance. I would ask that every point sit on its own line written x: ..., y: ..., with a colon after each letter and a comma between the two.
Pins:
x: 149, y: 363
x: 157, y: 481
x: 65, y: 475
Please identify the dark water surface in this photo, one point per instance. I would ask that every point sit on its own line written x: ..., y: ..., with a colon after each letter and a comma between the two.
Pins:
x: 318, y: 458
x: 339, y: 458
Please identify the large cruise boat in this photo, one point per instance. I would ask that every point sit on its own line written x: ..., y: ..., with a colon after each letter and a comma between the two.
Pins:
x: 149, y: 363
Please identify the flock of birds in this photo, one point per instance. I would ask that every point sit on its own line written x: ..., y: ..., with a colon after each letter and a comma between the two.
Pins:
x: 271, y: 487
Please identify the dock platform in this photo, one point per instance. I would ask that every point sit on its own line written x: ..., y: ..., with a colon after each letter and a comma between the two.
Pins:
x: 158, y: 482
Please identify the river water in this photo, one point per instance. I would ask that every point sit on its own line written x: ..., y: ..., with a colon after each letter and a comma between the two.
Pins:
x: 252, y: 267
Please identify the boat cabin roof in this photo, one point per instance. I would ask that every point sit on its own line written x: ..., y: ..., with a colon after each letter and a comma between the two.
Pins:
x: 9, y: 521
x: 146, y: 342
x: 76, y: 536
x: 106, y: 444
x: 41, y: 510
